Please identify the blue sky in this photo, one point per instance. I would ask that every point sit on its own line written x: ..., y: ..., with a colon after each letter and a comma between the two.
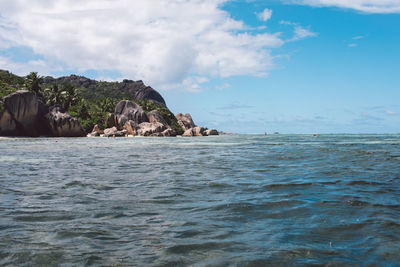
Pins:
x: 306, y: 66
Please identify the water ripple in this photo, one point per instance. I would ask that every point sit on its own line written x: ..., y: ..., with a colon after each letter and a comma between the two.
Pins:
x: 236, y: 200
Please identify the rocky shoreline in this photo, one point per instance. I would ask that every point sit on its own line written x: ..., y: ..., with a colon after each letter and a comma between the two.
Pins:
x: 24, y: 113
x: 129, y: 119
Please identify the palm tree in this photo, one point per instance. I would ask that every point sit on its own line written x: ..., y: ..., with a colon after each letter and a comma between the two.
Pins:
x: 53, y: 95
x: 107, y: 105
x: 83, y: 111
x: 33, y: 82
x: 70, y: 94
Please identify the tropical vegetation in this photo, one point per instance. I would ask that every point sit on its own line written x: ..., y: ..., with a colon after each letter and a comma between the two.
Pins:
x: 90, y: 102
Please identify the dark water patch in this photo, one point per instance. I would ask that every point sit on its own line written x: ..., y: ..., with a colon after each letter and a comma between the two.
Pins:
x: 109, y: 215
x: 330, y: 182
x: 388, y: 206
x: 220, y: 185
x: 75, y: 183
x: 287, y: 185
x: 44, y: 218
x: 358, y: 203
x: 187, y: 248
x: 362, y: 182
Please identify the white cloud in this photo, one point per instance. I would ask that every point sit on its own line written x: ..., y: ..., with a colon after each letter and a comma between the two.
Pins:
x: 368, y: 6
x: 389, y: 112
x: 223, y: 86
x: 352, y: 45
x: 168, y: 44
x: 299, y: 31
x: 358, y: 37
x: 25, y: 67
x: 265, y: 15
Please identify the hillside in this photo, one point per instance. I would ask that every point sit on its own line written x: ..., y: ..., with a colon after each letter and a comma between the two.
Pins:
x: 88, y: 100
x: 92, y: 89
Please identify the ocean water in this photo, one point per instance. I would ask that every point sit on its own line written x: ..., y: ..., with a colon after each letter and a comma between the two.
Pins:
x: 232, y: 200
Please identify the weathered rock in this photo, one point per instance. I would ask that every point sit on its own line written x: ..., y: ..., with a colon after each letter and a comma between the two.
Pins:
x: 21, y: 116
x: 212, y: 132
x: 96, y: 131
x: 26, y: 115
x: 131, y: 128
x: 8, y: 127
x: 110, y: 131
x: 198, y: 131
x: 188, y: 133
x: 113, y: 132
x: 111, y: 121
x: 61, y: 124
x: 155, y: 117
x: 195, y: 131
x: 157, y: 135
x: 168, y: 132
x: 127, y: 110
x: 146, y: 92
x: 185, y: 121
x: 147, y: 128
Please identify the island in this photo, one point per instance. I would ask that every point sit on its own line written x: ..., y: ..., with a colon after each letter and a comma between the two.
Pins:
x: 76, y: 106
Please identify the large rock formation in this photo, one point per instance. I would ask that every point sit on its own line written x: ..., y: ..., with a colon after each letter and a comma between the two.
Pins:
x: 96, y: 131
x: 24, y: 114
x: 21, y: 115
x: 7, y: 123
x: 146, y: 92
x: 195, y: 131
x: 212, y: 132
x: 187, y: 124
x: 148, y: 129
x: 155, y: 117
x: 126, y: 111
x: 113, y: 132
x: 130, y: 117
x: 62, y: 124
x: 185, y: 121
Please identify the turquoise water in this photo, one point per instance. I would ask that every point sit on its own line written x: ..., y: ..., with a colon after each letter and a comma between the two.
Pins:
x: 238, y: 200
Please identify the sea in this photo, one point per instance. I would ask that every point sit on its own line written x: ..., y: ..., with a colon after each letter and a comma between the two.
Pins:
x: 228, y: 200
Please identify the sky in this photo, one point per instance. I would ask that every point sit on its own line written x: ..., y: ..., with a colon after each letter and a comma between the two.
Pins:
x: 250, y: 66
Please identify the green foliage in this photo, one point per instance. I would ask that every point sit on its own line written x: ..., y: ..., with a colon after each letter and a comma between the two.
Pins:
x: 90, y: 102
x: 33, y: 83
x: 9, y: 83
x: 53, y: 95
x: 10, y: 79
x: 1, y: 108
x: 90, y: 113
x: 70, y: 94
x: 168, y: 116
x: 66, y: 97
x: 81, y: 112
x: 6, y: 89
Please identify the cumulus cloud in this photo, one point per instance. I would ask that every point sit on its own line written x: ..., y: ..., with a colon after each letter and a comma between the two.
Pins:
x: 168, y: 44
x: 265, y: 15
x: 368, y: 6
